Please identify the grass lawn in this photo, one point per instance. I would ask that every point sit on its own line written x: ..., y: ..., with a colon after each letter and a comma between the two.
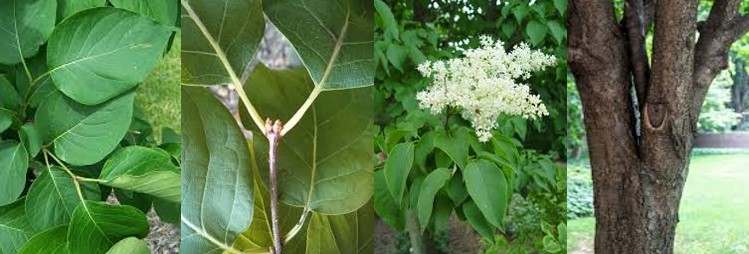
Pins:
x: 158, y: 96
x: 714, y: 210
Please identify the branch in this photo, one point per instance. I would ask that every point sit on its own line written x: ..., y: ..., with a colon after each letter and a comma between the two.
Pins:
x: 273, y: 133
x: 636, y: 26
x: 723, y: 27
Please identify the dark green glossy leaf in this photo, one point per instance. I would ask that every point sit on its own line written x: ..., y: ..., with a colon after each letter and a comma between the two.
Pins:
x: 217, y: 35
x: 536, y: 32
x: 138, y: 200
x: 52, y: 198
x: 143, y: 170
x: 333, y: 38
x: 327, y: 163
x: 100, y: 53
x: 130, y: 245
x: 477, y: 220
x: 53, y: 240
x: 456, y: 189
x: 65, y: 8
x: 487, y: 186
x: 557, y: 31
x: 14, y: 227
x: 24, y: 26
x: 163, y: 11
x: 31, y: 139
x: 385, y: 205
x: 455, y: 145
x: 167, y: 211
x: 9, y: 98
x: 84, y: 135
x: 443, y: 208
x: 97, y: 226
x: 397, y: 167
x: 6, y: 119
x: 342, y: 234
x: 216, y: 173
x: 14, y: 161
x: 432, y: 183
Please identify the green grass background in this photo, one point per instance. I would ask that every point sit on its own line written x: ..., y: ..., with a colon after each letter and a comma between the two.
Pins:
x: 714, y: 214
x: 159, y: 95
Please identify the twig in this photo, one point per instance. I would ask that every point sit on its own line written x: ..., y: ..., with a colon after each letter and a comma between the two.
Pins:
x: 273, y: 133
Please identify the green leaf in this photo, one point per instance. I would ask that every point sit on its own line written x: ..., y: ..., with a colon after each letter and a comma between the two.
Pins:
x: 397, y: 55
x: 391, y: 26
x: 385, y: 205
x: 551, y: 245
x: 334, y: 39
x: 443, y: 208
x: 327, y: 163
x: 98, y: 54
x: 456, y: 189
x: 84, y: 135
x: 9, y: 98
x: 25, y: 25
x: 477, y: 220
x: 52, y: 198
x: 432, y: 183
x: 14, y: 161
x: 14, y: 227
x: 487, y: 187
x: 508, y: 28
x: 163, y: 11
x: 143, y: 170
x: 130, y: 245
x: 218, y: 37
x: 397, y: 167
x: 216, y: 172
x: 138, y: 200
x: 536, y: 32
x: 6, y: 119
x: 455, y: 146
x: 53, y: 240
x: 65, y: 8
x: 97, y: 226
x: 167, y: 211
x: 342, y: 234
x: 31, y: 139
x: 561, y: 6
x: 557, y: 31
x: 520, y: 11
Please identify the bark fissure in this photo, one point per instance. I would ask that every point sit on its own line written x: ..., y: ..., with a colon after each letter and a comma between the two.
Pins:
x: 639, y: 170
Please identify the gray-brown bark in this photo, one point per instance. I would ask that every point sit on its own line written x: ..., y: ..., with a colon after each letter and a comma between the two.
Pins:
x: 638, y: 176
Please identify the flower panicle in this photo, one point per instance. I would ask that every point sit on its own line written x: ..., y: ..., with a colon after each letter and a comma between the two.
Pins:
x: 485, y: 84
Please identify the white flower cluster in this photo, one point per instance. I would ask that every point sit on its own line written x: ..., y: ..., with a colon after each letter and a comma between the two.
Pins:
x: 484, y: 84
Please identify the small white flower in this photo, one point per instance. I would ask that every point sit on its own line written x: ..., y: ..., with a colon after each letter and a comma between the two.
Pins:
x: 484, y: 84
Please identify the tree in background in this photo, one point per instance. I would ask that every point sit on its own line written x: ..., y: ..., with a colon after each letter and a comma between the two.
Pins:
x: 640, y: 121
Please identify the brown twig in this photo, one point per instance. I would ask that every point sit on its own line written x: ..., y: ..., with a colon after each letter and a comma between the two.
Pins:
x: 273, y: 133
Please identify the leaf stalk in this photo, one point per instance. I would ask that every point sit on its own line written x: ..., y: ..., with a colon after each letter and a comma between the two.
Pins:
x: 274, y: 134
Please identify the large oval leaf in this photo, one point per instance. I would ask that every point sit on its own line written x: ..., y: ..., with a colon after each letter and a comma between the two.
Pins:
x: 397, y: 167
x: 219, y: 39
x: 14, y: 227
x: 327, y: 158
x: 53, y: 240
x: 24, y: 26
x: 432, y: 183
x: 333, y: 38
x: 163, y: 11
x: 99, y: 53
x: 65, y: 8
x: 84, y: 135
x: 14, y: 161
x: 97, y: 226
x: 342, y: 234
x: 130, y: 245
x: 217, y: 189
x: 143, y: 170
x: 52, y: 198
x: 487, y: 187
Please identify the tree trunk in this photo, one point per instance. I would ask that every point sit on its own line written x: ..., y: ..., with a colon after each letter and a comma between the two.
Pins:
x: 640, y: 122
